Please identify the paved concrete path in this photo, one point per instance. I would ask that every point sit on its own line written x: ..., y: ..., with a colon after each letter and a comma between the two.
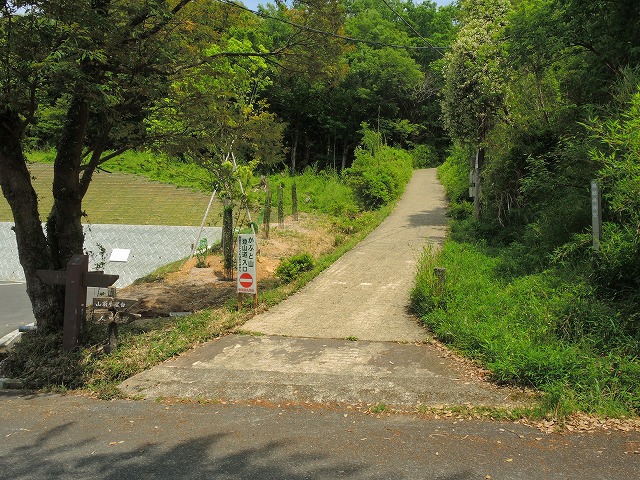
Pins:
x: 365, y: 294
x: 306, y: 356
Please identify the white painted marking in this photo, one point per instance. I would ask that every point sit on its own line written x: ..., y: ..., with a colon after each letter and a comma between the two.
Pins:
x: 119, y: 254
x: 366, y: 284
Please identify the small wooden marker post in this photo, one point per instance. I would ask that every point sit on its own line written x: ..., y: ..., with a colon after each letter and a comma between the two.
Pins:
x: 247, y: 282
x: 76, y: 279
x: 117, y: 313
x: 441, y: 274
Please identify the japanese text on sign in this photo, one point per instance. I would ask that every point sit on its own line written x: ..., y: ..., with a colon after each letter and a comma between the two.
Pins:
x: 112, y: 303
x: 247, y: 264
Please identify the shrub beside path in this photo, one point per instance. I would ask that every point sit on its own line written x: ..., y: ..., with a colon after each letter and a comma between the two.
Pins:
x: 304, y: 349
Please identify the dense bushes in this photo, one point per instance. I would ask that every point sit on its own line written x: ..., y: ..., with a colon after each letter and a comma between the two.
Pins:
x: 293, y: 266
x: 318, y: 191
x: 618, y: 155
x: 379, y: 176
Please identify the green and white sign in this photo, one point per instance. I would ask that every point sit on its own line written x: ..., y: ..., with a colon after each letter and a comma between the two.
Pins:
x: 247, y: 279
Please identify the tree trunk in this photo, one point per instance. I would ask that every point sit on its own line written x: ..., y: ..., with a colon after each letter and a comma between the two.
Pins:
x: 64, y: 226
x: 47, y: 300
x: 64, y: 236
x: 281, y: 205
x: 307, y: 149
x: 345, y: 151
x: 266, y: 220
x: 227, y: 239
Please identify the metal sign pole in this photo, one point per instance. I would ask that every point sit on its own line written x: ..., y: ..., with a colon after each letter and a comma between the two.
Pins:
x: 596, y: 214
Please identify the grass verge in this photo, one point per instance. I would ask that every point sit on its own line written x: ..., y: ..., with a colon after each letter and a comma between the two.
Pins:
x: 547, y: 330
x: 40, y: 361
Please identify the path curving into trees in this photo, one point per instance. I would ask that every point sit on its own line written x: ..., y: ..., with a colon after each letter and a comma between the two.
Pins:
x: 365, y: 294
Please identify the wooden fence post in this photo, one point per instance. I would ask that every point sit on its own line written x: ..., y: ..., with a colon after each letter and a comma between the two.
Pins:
x: 281, y: 205
x: 294, y: 201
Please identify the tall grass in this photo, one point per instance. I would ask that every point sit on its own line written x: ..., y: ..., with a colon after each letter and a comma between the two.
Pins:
x: 549, y: 330
x: 318, y: 191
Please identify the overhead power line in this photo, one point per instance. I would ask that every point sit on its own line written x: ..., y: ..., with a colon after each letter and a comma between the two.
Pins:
x: 406, y: 22
x: 326, y: 33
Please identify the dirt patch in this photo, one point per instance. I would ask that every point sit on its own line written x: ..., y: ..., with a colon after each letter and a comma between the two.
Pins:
x: 191, y: 289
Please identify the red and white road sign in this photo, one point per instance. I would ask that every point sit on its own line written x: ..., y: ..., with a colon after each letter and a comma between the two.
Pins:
x: 246, y: 280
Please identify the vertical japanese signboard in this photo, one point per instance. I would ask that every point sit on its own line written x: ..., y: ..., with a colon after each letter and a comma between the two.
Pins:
x: 247, y: 280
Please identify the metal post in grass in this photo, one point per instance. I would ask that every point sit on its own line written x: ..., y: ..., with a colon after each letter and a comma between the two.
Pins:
x: 596, y: 214
x: 266, y: 218
x: 294, y: 202
x: 227, y: 239
x: 281, y: 205
x: 477, y: 177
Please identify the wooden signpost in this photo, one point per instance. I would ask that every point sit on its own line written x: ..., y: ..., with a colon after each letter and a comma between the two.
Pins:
x: 76, y: 279
x: 116, y: 312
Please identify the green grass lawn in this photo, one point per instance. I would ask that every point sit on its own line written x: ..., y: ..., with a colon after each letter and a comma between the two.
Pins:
x: 126, y: 199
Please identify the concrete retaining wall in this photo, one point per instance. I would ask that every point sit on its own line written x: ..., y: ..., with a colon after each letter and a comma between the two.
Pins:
x: 151, y: 247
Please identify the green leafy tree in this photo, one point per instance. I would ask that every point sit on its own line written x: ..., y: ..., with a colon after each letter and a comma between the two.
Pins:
x: 474, y: 88
x: 375, y: 80
x: 108, y: 65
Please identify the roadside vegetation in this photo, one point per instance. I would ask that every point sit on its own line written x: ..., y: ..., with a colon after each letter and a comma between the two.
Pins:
x: 537, y: 97
x: 40, y: 362
x: 540, y: 98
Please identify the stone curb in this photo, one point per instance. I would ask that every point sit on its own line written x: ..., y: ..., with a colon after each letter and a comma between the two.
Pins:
x: 10, y: 384
x: 8, y: 340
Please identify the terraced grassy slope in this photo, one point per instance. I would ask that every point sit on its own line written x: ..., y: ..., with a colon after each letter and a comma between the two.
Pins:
x: 126, y: 199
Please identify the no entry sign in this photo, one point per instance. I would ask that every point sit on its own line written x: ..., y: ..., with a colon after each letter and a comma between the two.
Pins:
x: 247, y: 281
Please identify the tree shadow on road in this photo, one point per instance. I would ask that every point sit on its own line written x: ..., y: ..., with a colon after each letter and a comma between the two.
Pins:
x: 435, y: 217
x: 50, y: 455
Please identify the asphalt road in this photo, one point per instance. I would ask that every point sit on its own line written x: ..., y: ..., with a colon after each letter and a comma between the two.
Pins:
x: 15, y: 308
x: 65, y: 437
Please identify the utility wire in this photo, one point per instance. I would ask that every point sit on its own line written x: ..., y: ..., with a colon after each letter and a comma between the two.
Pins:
x: 329, y: 34
x: 404, y: 20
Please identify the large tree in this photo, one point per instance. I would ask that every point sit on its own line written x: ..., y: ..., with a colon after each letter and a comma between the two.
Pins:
x: 108, y: 64
x: 384, y: 78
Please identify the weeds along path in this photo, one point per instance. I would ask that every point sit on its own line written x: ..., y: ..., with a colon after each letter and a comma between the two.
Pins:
x: 308, y: 353
x: 365, y: 294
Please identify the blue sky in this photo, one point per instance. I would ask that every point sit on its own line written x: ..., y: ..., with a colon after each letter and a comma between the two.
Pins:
x: 253, y: 3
